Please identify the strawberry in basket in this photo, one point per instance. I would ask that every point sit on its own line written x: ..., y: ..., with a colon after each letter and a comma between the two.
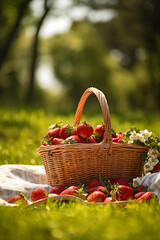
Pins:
x: 99, y: 132
x: 84, y: 130
x: 54, y: 131
x: 67, y: 130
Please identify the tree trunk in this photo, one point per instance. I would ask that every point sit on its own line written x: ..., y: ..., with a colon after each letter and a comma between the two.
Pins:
x: 7, y: 44
x: 30, y: 90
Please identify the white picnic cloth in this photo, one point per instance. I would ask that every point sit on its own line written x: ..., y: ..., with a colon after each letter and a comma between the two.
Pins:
x: 15, y: 178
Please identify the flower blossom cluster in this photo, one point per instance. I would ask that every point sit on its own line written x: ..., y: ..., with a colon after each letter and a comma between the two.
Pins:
x: 152, y: 157
x: 142, y: 136
x: 146, y: 138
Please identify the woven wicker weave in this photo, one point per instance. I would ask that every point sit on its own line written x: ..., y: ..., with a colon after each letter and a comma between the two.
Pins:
x: 72, y: 164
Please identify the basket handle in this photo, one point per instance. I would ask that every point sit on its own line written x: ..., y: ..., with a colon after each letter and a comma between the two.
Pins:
x: 105, y: 110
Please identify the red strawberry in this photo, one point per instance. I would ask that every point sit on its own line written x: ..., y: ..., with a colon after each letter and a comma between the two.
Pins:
x: 141, y: 189
x: 44, y: 144
x: 97, y: 188
x: 99, y: 131
x: 120, y: 181
x: 90, y: 140
x: 96, y: 196
x: 146, y: 197
x: 118, y: 138
x: 57, y: 141
x: 139, y: 194
x: 109, y: 199
x: 18, y: 199
x: 67, y: 131
x: 156, y: 168
x: 38, y: 194
x: 74, y: 139
x: 94, y: 183
x: 84, y: 130
x: 58, y: 189
x: 121, y: 192
x: 70, y: 190
x: 53, y: 133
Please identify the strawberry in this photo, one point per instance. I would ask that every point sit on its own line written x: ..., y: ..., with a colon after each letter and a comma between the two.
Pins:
x: 44, y: 144
x: 90, y: 140
x: 118, y: 138
x: 156, y: 168
x: 96, y: 196
x: 146, y: 197
x: 97, y: 188
x: 139, y: 194
x: 94, y: 183
x: 99, y: 131
x: 38, y: 194
x: 109, y: 199
x: 73, y: 139
x: 70, y: 190
x: 84, y: 130
x: 120, y: 181
x: 57, y: 189
x: 18, y: 199
x: 53, y: 133
x: 121, y: 192
x: 57, y: 141
x: 67, y: 131
x: 141, y: 189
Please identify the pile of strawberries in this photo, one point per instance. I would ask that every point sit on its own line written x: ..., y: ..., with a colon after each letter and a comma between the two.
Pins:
x: 98, y: 190
x: 82, y: 133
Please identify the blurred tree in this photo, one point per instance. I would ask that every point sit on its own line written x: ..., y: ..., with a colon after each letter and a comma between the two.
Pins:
x: 34, y: 53
x: 79, y: 59
x: 11, y: 18
x: 134, y: 32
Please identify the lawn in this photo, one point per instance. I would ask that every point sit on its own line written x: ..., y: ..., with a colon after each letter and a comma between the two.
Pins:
x: 21, y: 131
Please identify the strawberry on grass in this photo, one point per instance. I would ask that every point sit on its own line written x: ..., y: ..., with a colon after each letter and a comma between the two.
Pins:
x: 109, y: 199
x: 70, y: 190
x: 138, y: 195
x: 120, y: 181
x: 57, y: 189
x: 146, y: 197
x: 38, y: 194
x: 141, y: 189
x: 121, y: 192
x: 94, y: 183
x: 96, y: 196
x: 18, y: 199
x: 97, y: 188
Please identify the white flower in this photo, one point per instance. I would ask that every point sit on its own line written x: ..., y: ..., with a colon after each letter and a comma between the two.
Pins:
x: 146, y: 134
x: 134, y: 135
x: 147, y: 167
x: 141, y: 138
x: 153, y: 153
x: 136, y: 182
x: 153, y: 161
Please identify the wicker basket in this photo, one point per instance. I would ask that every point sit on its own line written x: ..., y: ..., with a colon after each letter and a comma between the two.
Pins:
x: 72, y: 164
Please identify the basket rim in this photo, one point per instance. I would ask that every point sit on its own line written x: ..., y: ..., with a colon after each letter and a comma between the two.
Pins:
x: 79, y: 146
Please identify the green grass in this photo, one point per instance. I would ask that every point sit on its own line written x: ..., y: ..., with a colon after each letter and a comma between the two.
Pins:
x: 20, y: 133
x: 75, y: 221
